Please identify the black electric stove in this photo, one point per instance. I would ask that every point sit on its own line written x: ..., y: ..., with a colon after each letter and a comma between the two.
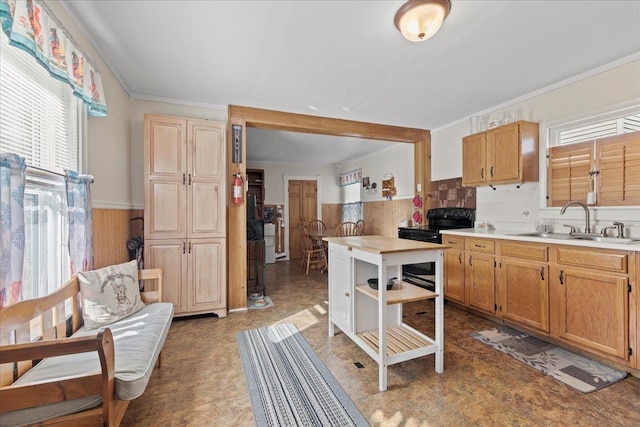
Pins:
x: 423, y: 274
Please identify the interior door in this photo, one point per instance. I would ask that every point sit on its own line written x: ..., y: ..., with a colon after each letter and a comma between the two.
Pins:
x: 303, y: 207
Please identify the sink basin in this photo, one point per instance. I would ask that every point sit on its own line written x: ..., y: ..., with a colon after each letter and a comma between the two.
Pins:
x: 543, y: 235
x: 607, y: 239
x: 591, y: 237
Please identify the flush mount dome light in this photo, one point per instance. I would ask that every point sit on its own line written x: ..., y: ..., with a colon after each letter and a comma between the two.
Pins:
x: 419, y: 20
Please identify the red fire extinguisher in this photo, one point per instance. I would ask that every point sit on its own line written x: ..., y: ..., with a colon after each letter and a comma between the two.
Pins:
x: 238, y: 187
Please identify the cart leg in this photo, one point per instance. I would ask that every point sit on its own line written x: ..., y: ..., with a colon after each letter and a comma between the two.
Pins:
x: 440, y: 313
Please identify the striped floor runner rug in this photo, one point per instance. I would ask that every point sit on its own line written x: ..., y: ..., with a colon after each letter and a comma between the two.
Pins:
x: 288, y: 384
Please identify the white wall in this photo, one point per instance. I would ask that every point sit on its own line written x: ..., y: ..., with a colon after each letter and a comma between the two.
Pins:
x: 107, y: 152
x: 396, y: 160
x: 581, y: 97
x: 138, y: 109
x: 274, y: 180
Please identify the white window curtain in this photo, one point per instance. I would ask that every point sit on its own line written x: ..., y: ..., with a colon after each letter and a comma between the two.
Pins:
x: 80, y: 222
x: 32, y: 27
x: 12, y: 183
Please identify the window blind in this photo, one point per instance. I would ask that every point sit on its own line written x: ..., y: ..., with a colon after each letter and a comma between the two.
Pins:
x: 599, y: 130
x: 38, y: 114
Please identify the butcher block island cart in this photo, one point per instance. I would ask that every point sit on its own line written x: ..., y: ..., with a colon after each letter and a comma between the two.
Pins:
x: 373, y: 318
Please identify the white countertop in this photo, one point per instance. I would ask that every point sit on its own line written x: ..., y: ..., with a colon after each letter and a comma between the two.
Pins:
x: 509, y: 235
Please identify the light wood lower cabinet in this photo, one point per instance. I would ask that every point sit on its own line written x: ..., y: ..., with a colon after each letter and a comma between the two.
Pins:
x: 454, y: 261
x: 590, y: 307
x: 585, y: 297
x: 524, y: 296
x: 480, y: 275
x: 523, y: 284
x: 193, y: 280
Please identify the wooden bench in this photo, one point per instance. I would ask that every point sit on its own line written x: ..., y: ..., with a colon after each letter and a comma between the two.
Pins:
x: 41, y: 328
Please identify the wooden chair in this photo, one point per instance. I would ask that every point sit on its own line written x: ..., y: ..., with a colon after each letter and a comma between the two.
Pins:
x: 360, y: 224
x: 316, y: 227
x: 347, y: 229
x: 312, y: 255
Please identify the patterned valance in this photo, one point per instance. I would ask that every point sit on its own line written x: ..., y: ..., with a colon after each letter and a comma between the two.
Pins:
x: 31, y: 26
x: 350, y: 177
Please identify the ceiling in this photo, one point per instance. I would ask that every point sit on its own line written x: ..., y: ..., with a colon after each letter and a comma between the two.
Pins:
x: 345, y: 59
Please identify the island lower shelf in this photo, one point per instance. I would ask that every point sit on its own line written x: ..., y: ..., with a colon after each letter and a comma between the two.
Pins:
x: 403, y: 343
x: 406, y: 292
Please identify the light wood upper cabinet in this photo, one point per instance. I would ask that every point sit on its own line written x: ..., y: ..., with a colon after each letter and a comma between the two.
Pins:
x: 185, y: 204
x: 185, y: 189
x: 165, y: 164
x: 503, y: 155
x: 474, y: 159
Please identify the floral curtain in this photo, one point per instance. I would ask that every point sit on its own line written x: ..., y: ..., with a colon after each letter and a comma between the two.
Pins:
x: 351, y: 212
x: 31, y: 26
x: 12, y: 182
x: 80, y: 221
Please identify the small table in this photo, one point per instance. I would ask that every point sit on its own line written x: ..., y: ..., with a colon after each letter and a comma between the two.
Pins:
x: 373, y: 318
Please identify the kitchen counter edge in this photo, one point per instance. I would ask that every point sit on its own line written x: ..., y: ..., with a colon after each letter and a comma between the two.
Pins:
x: 508, y: 235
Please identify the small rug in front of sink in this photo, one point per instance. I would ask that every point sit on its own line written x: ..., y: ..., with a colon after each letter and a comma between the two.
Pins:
x: 574, y: 370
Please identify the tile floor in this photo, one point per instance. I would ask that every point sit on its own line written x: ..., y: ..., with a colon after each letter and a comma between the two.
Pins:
x: 201, y: 382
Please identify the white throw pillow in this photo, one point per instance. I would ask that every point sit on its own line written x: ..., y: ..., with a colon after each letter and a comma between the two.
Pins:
x: 109, y: 294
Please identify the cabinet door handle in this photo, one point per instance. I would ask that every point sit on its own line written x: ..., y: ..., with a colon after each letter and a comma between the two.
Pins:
x: 491, y: 171
x: 470, y: 264
x: 349, y: 248
x: 184, y: 247
x: 460, y: 258
x: 184, y: 179
x: 346, y: 294
x: 482, y: 173
x: 541, y: 273
x: 562, y: 277
x: 479, y: 246
x: 189, y: 179
x: 189, y: 247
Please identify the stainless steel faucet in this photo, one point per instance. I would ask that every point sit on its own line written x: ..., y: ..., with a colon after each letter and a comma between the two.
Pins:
x: 587, y: 222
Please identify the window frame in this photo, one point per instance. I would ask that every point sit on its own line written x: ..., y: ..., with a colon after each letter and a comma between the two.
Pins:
x: 48, y: 184
x: 549, y: 132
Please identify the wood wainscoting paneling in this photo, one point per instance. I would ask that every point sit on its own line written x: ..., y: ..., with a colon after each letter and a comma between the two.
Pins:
x: 111, y: 230
x: 383, y: 217
x: 331, y: 215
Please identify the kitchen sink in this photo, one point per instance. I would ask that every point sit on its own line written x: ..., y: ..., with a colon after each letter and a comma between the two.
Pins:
x: 590, y: 237
x: 607, y: 239
x: 543, y: 235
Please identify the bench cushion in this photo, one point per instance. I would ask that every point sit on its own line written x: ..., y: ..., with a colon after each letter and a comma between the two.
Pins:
x: 138, y: 340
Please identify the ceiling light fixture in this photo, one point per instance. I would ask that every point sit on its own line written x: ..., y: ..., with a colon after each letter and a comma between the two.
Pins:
x: 419, y: 20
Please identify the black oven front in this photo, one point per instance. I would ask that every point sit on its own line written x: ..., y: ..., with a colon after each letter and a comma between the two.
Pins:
x: 423, y: 274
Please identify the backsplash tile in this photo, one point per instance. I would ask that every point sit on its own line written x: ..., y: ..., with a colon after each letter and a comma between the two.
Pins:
x: 449, y: 193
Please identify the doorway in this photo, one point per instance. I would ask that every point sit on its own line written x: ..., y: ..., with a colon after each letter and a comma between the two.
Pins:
x: 243, y: 117
x: 302, y: 207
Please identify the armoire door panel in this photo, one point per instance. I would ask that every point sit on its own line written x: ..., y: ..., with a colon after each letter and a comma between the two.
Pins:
x: 207, y: 278
x: 207, y: 150
x: 207, y: 210
x: 165, y: 210
x: 167, y: 152
x: 169, y: 255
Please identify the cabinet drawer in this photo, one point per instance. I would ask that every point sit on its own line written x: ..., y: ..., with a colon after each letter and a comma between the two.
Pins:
x: 593, y: 258
x: 480, y: 245
x: 454, y: 241
x: 524, y: 250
